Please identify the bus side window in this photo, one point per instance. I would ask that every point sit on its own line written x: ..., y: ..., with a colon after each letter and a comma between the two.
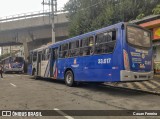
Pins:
x: 74, y: 49
x: 34, y: 56
x: 55, y: 53
x: 105, y: 42
x: 64, y: 51
x: 43, y: 54
x: 114, y: 35
x: 87, y: 46
x: 60, y: 52
x: 47, y: 54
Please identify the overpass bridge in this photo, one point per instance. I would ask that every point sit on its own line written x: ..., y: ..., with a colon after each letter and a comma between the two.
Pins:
x: 32, y: 30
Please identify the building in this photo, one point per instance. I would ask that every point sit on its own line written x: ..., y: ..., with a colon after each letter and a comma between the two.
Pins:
x: 153, y: 23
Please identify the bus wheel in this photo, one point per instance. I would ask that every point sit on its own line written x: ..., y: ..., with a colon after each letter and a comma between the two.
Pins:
x: 69, y: 78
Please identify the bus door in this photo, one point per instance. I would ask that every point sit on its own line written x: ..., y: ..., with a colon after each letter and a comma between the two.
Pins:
x: 54, y: 65
x: 39, y: 63
x: 45, y: 63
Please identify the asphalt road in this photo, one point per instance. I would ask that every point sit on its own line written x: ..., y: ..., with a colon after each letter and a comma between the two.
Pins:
x: 22, y: 92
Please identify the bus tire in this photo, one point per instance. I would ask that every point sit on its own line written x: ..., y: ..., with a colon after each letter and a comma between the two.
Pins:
x: 69, y: 78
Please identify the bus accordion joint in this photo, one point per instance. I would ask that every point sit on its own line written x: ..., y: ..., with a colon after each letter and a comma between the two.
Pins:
x: 126, y: 60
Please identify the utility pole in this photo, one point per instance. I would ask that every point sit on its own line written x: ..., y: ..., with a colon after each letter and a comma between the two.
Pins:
x: 53, y: 5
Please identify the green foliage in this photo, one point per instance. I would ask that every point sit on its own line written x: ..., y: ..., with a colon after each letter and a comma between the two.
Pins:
x: 140, y: 16
x: 88, y: 15
x: 156, y: 10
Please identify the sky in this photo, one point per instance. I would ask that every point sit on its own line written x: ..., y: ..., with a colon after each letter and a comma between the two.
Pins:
x: 13, y: 7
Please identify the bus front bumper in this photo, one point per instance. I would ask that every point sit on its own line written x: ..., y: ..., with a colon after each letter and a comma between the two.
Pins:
x: 13, y: 69
x: 135, y: 76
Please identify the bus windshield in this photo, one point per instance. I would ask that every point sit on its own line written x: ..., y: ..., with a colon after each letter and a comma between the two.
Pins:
x: 18, y: 59
x: 138, y: 37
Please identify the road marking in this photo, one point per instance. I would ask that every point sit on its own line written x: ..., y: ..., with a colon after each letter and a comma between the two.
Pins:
x: 140, y: 85
x: 13, y: 85
x: 130, y: 85
x: 155, y: 82
x: 62, y: 113
x: 120, y: 84
x: 149, y: 84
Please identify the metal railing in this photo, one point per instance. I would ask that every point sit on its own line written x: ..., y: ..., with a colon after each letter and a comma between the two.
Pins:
x: 29, y: 15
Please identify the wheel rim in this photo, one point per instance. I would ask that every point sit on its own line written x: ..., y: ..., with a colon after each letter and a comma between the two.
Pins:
x: 69, y: 78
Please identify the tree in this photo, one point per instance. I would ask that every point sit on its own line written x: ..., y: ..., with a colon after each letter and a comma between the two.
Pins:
x: 88, y: 15
x: 156, y: 10
x: 140, y: 16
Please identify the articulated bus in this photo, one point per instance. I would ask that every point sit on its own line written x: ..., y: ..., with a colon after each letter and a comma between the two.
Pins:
x: 117, y: 53
x: 13, y: 64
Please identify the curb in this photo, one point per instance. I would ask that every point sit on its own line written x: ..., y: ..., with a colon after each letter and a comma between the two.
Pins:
x: 144, y: 91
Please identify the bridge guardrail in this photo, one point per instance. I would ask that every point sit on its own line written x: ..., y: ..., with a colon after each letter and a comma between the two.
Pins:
x: 29, y: 15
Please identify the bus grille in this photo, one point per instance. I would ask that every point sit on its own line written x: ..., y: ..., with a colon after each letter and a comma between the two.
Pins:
x: 142, y: 76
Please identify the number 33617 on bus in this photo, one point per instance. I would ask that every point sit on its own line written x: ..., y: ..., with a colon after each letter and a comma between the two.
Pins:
x: 104, y: 61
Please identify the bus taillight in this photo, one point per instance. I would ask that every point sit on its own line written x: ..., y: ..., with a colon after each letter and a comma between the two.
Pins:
x: 126, y: 60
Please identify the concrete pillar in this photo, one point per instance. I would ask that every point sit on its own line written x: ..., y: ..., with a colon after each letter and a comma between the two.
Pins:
x: 26, y: 52
x: 26, y: 46
x: 29, y: 45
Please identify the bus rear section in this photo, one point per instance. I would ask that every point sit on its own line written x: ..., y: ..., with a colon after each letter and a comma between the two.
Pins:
x: 14, y: 64
x: 137, y: 54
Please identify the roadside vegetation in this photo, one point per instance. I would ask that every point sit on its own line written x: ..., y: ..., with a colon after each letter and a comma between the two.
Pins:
x: 88, y: 15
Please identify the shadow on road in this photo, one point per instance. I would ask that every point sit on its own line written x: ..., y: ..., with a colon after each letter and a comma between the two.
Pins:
x: 96, y: 87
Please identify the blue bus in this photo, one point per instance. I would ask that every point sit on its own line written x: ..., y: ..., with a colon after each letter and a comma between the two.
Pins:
x: 117, y: 53
x: 13, y: 64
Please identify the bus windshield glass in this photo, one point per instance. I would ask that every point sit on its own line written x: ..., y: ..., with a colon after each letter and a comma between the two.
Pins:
x: 18, y: 59
x: 138, y: 37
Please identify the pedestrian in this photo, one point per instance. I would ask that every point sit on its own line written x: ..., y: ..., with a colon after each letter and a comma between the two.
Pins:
x: 1, y: 70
